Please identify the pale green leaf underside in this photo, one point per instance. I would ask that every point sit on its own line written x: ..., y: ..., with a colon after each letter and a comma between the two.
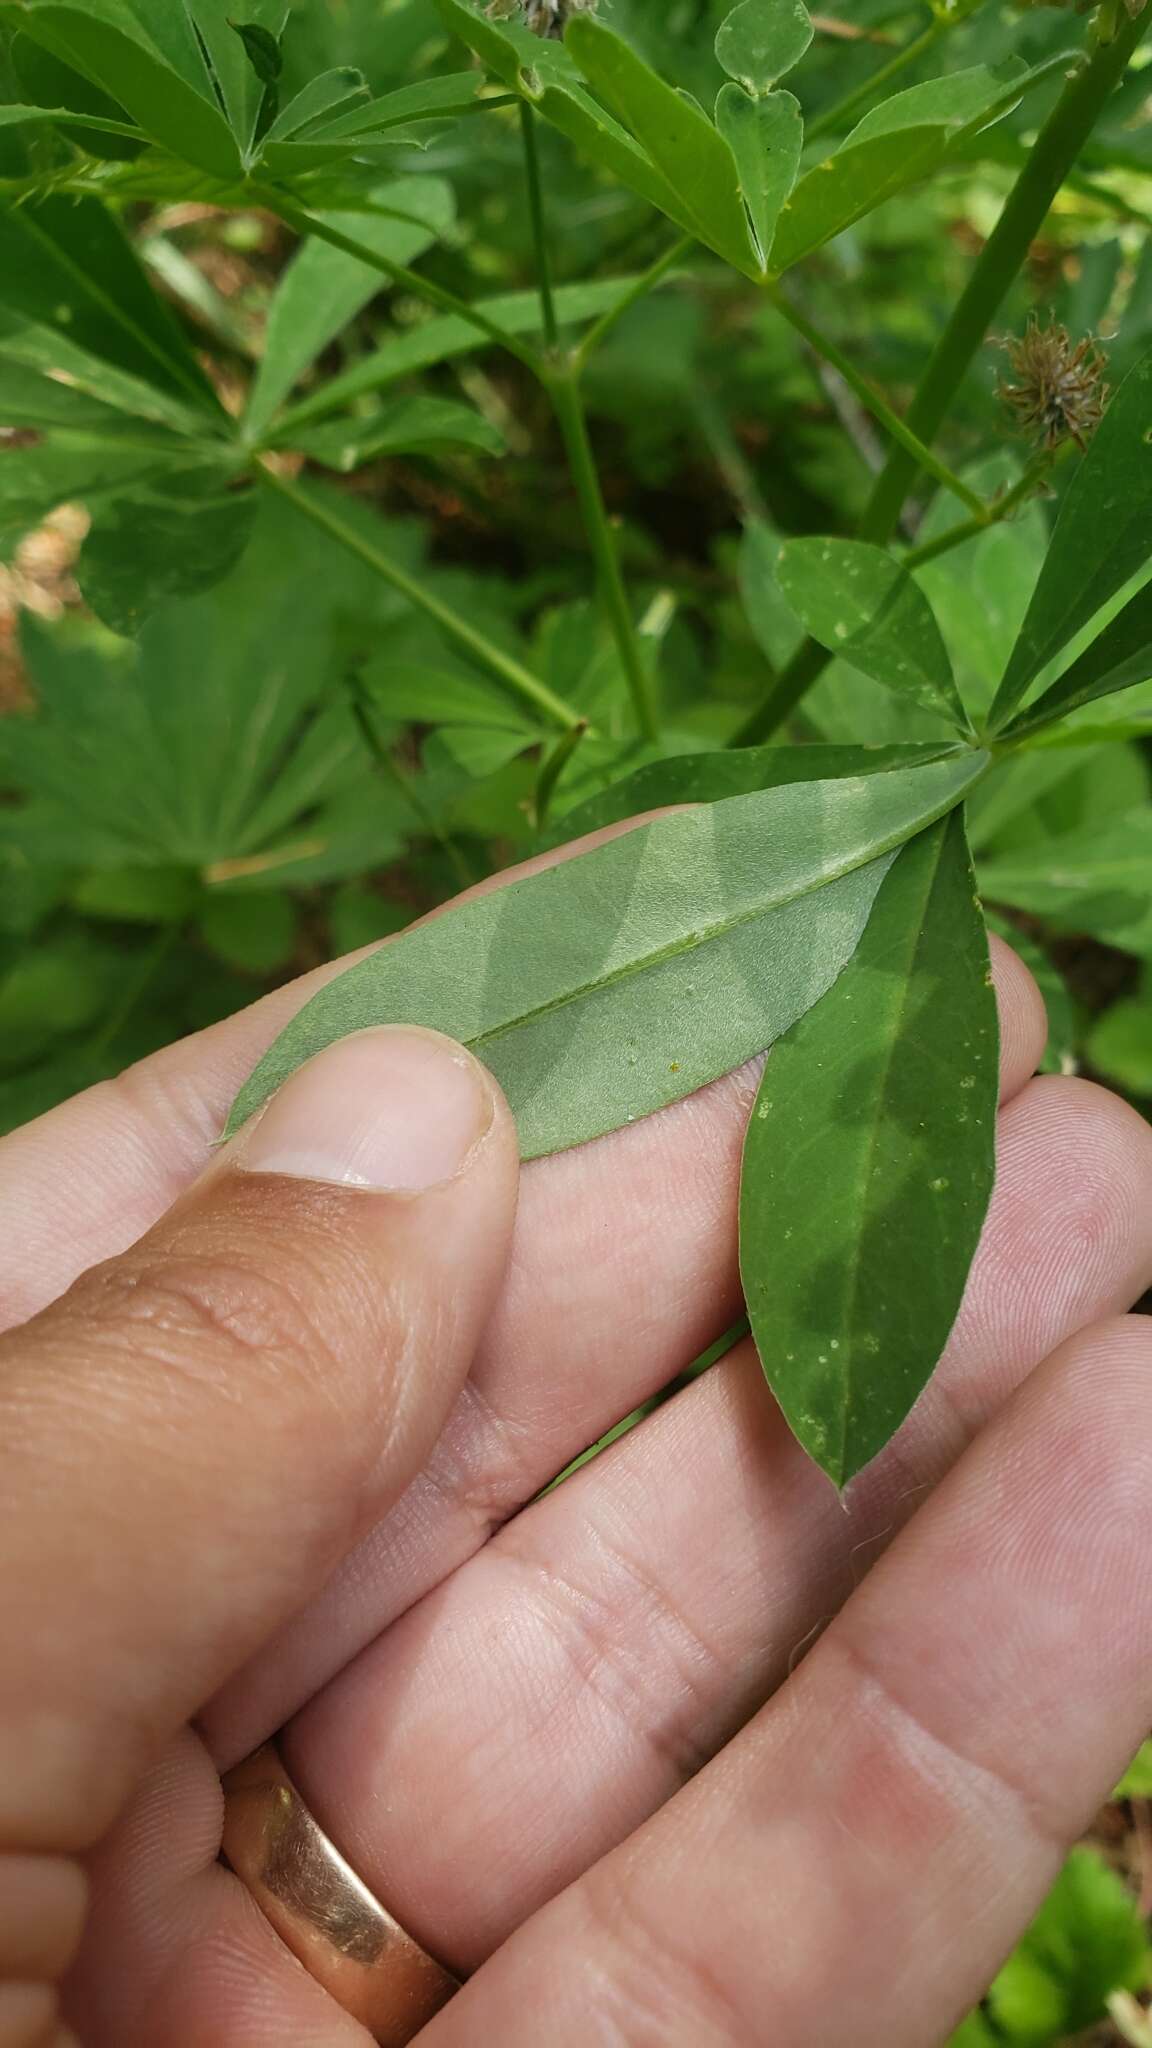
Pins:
x: 616, y: 983
x: 869, y: 1163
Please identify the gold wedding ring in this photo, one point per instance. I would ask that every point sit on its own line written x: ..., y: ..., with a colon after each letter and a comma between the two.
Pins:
x: 320, y: 1909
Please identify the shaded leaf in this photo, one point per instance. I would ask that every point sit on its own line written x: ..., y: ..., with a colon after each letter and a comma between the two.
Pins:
x: 761, y: 40
x: 243, y: 48
x: 1118, y: 660
x: 178, y: 537
x: 766, y: 137
x: 438, y: 340
x: 323, y: 289
x: 862, y: 604
x: 146, y: 58
x: 255, y: 931
x: 67, y: 464
x: 263, y: 50
x: 625, y: 979
x: 407, y: 694
x: 1120, y: 1045
x: 1103, y: 535
x: 869, y: 1163
x: 411, y: 426
x: 66, y: 264
x: 1094, y: 881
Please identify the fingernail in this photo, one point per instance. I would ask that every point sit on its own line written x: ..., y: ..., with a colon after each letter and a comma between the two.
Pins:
x: 394, y: 1109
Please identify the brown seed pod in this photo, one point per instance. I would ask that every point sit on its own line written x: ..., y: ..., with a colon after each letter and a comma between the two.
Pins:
x: 544, y: 17
x: 1056, y: 388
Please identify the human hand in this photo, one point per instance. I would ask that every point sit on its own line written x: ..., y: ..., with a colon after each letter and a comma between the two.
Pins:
x: 280, y: 1436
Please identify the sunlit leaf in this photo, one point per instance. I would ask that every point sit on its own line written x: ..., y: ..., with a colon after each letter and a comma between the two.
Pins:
x: 891, y: 148
x: 762, y: 39
x: 766, y: 137
x: 869, y: 1163
x: 618, y: 982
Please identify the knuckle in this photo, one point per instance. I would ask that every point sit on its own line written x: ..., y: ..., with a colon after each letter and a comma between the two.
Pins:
x: 220, y: 1323
x: 651, y: 1984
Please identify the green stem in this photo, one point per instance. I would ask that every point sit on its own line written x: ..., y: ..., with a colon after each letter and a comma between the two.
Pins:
x: 1000, y: 510
x: 539, y: 226
x: 551, y: 771
x: 1056, y: 149
x: 642, y: 285
x: 422, y: 287
x: 1053, y: 154
x: 564, y: 389
x: 411, y: 795
x: 871, y: 400
x: 837, y: 118
x: 519, y: 681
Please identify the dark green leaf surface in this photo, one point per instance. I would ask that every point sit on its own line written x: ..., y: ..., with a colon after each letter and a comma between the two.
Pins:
x: 75, y: 464
x: 411, y: 426
x: 177, y: 537
x: 893, y: 146
x: 1119, y: 659
x: 762, y: 39
x: 676, y: 134
x: 147, y: 59
x: 766, y: 137
x: 619, y: 982
x: 405, y: 694
x: 869, y: 1163
x: 65, y: 264
x: 739, y: 771
x: 323, y: 289
x: 859, y: 602
x: 1103, y: 536
x: 243, y: 46
x: 334, y: 92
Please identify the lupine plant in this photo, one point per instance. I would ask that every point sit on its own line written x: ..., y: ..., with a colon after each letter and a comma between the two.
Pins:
x: 803, y: 890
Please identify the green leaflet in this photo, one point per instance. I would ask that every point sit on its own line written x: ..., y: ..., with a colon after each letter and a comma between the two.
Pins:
x: 869, y: 1163
x: 860, y: 603
x: 174, y: 538
x: 409, y: 694
x: 436, y: 341
x: 761, y: 40
x: 676, y: 134
x: 321, y: 100
x: 1103, y: 536
x: 738, y: 771
x: 766, y: 137
x: 410, y: 426
x: 70, y: 463
x: 324, y: 288
x: 618, y: 982
x: 147, y: 59
x: 66, y: 266
x: 892, y: 147
x: 1093, y: 881
x: 1119, y: 659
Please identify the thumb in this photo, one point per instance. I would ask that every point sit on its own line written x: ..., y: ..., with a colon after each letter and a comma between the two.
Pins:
x: 193, y: 1438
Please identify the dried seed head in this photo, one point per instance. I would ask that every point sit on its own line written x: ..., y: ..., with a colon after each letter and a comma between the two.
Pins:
x: 1057, y: 389
x: 543, y: 17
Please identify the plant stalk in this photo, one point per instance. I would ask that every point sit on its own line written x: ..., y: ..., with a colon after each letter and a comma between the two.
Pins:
x: 421, y: 287
x: 871, y: 400
x: 838, y: 117
x: 391, y: 768
x: 1055, y: 151
x: 564, y: 388
x: 644, y: 284
x: 539, y: 226
x: 517, y: 680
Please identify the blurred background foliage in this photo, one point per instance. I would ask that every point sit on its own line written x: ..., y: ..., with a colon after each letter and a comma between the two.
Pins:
x: 195, y: 817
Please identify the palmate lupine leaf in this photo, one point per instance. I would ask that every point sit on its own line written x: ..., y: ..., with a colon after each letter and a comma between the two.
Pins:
x: 869, y: 1163
x: 618, y: 982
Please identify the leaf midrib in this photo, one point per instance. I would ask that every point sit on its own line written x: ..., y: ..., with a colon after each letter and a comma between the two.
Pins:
x: 720, y: 928
x: 879, y: 1096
